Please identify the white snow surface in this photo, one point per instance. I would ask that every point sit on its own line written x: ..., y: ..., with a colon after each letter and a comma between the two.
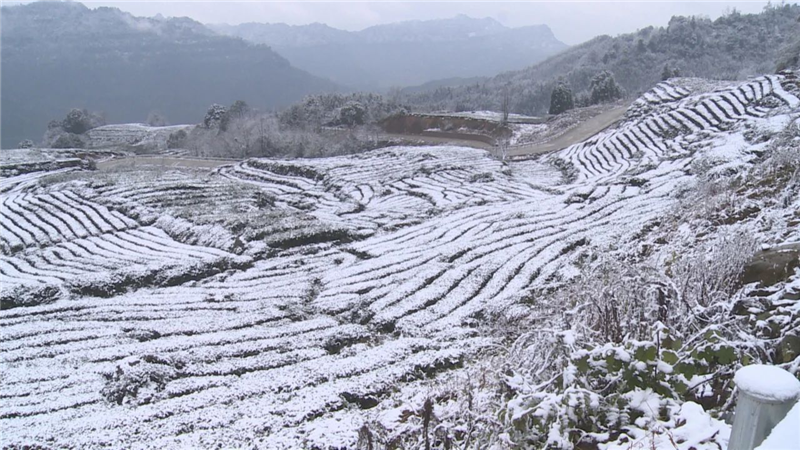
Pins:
x: 692, y: 428
x: 785, y: 435
x: 767, y: 382
x: 308, y: 342
x: 490, y: 115
x: 133, y: 135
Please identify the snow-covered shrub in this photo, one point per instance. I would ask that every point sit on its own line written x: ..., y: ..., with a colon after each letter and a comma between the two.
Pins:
x: 567, y: 169
x: 214, y: 116
x: 138, y: 276
x: 617, y: 300
x: 68, y: 140
x: 140, y: 380
x: 177, y: 139
x: 352, y: 113
x: 208, y: 235
x: 783, y: 155
x: 28, y: 295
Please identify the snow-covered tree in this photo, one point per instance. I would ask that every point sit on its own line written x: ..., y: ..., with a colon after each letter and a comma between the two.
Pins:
x: 561, y: 99
x: 239, y: 109
x: 79, y: 121
x: 668, y: 72
x: 68, y: 140
x: 155, y: 119
x: 352, y: 113
x: 177, y: 139
x: 214, y: 116
x: 604, y: 88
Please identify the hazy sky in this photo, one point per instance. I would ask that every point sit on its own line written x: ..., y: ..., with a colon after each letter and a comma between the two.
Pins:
x: 572, y: 22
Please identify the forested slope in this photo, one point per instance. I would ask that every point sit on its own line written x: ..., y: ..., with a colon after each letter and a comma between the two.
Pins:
x: 733, y: 47
x: 53, y: 59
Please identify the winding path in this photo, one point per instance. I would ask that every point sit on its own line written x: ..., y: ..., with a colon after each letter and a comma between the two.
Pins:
x: 582, y: 131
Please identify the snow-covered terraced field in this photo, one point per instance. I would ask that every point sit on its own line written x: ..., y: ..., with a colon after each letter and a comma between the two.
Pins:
x: 134, y: 135
x: 299, y: 347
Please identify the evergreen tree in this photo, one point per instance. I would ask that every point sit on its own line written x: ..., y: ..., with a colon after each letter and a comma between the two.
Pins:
x: 155, y: 119
x: 79, y: 121
x: 214, y: 116
x: 561, y: 99
x: 352, y: 113
x: 604, y: 88
x: 666, y: 74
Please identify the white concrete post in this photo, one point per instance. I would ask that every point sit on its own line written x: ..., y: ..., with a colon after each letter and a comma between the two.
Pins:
x: 766, y: 394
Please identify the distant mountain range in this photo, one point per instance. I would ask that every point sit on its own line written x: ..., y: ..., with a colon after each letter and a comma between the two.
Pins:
x: 733, y: 47
x: 404, y: 53
x: 56, y: 56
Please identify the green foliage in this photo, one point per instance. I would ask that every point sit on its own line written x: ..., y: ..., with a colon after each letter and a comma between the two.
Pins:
x: 598, y: 383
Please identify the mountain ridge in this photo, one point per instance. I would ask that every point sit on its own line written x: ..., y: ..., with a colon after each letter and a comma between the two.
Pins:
x: 403, y: 53
x: 734, y: 47
x: 53, y: 61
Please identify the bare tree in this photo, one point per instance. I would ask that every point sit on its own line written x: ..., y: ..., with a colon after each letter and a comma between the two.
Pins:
x: 501, y: 149
x: 505, y: 105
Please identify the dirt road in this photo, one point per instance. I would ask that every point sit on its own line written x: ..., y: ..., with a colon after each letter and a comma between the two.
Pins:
x: 582, y: 131
x: 436, y: 140
x: 163, y: 161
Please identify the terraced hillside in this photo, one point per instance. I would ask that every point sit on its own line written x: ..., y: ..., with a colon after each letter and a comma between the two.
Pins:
x: 281, y: 304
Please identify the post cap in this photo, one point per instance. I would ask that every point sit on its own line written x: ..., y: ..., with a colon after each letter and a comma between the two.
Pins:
x: 769, y: 383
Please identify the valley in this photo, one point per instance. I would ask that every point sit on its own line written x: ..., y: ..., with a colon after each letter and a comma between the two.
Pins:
x: 286, y: 303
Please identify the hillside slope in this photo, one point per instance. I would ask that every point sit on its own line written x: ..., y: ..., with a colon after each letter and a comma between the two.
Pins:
x: 733, y: 47
x: 52, y: 60
x: 287, y: 304
x: 404, y: 53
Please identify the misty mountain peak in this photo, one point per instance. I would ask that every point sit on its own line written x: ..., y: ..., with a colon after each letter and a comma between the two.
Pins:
x: 455, y: 28
x: 404, y: 53
x: 109, y: 60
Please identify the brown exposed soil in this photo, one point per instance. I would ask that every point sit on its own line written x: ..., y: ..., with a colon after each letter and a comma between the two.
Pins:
x: 772, y: 266
x: 446, y: 126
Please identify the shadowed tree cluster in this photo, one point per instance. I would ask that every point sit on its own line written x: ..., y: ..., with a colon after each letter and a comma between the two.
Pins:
x: 320, y: 125
x: 604, y: 88
x: 561, y: 99
x: 68, y: 133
